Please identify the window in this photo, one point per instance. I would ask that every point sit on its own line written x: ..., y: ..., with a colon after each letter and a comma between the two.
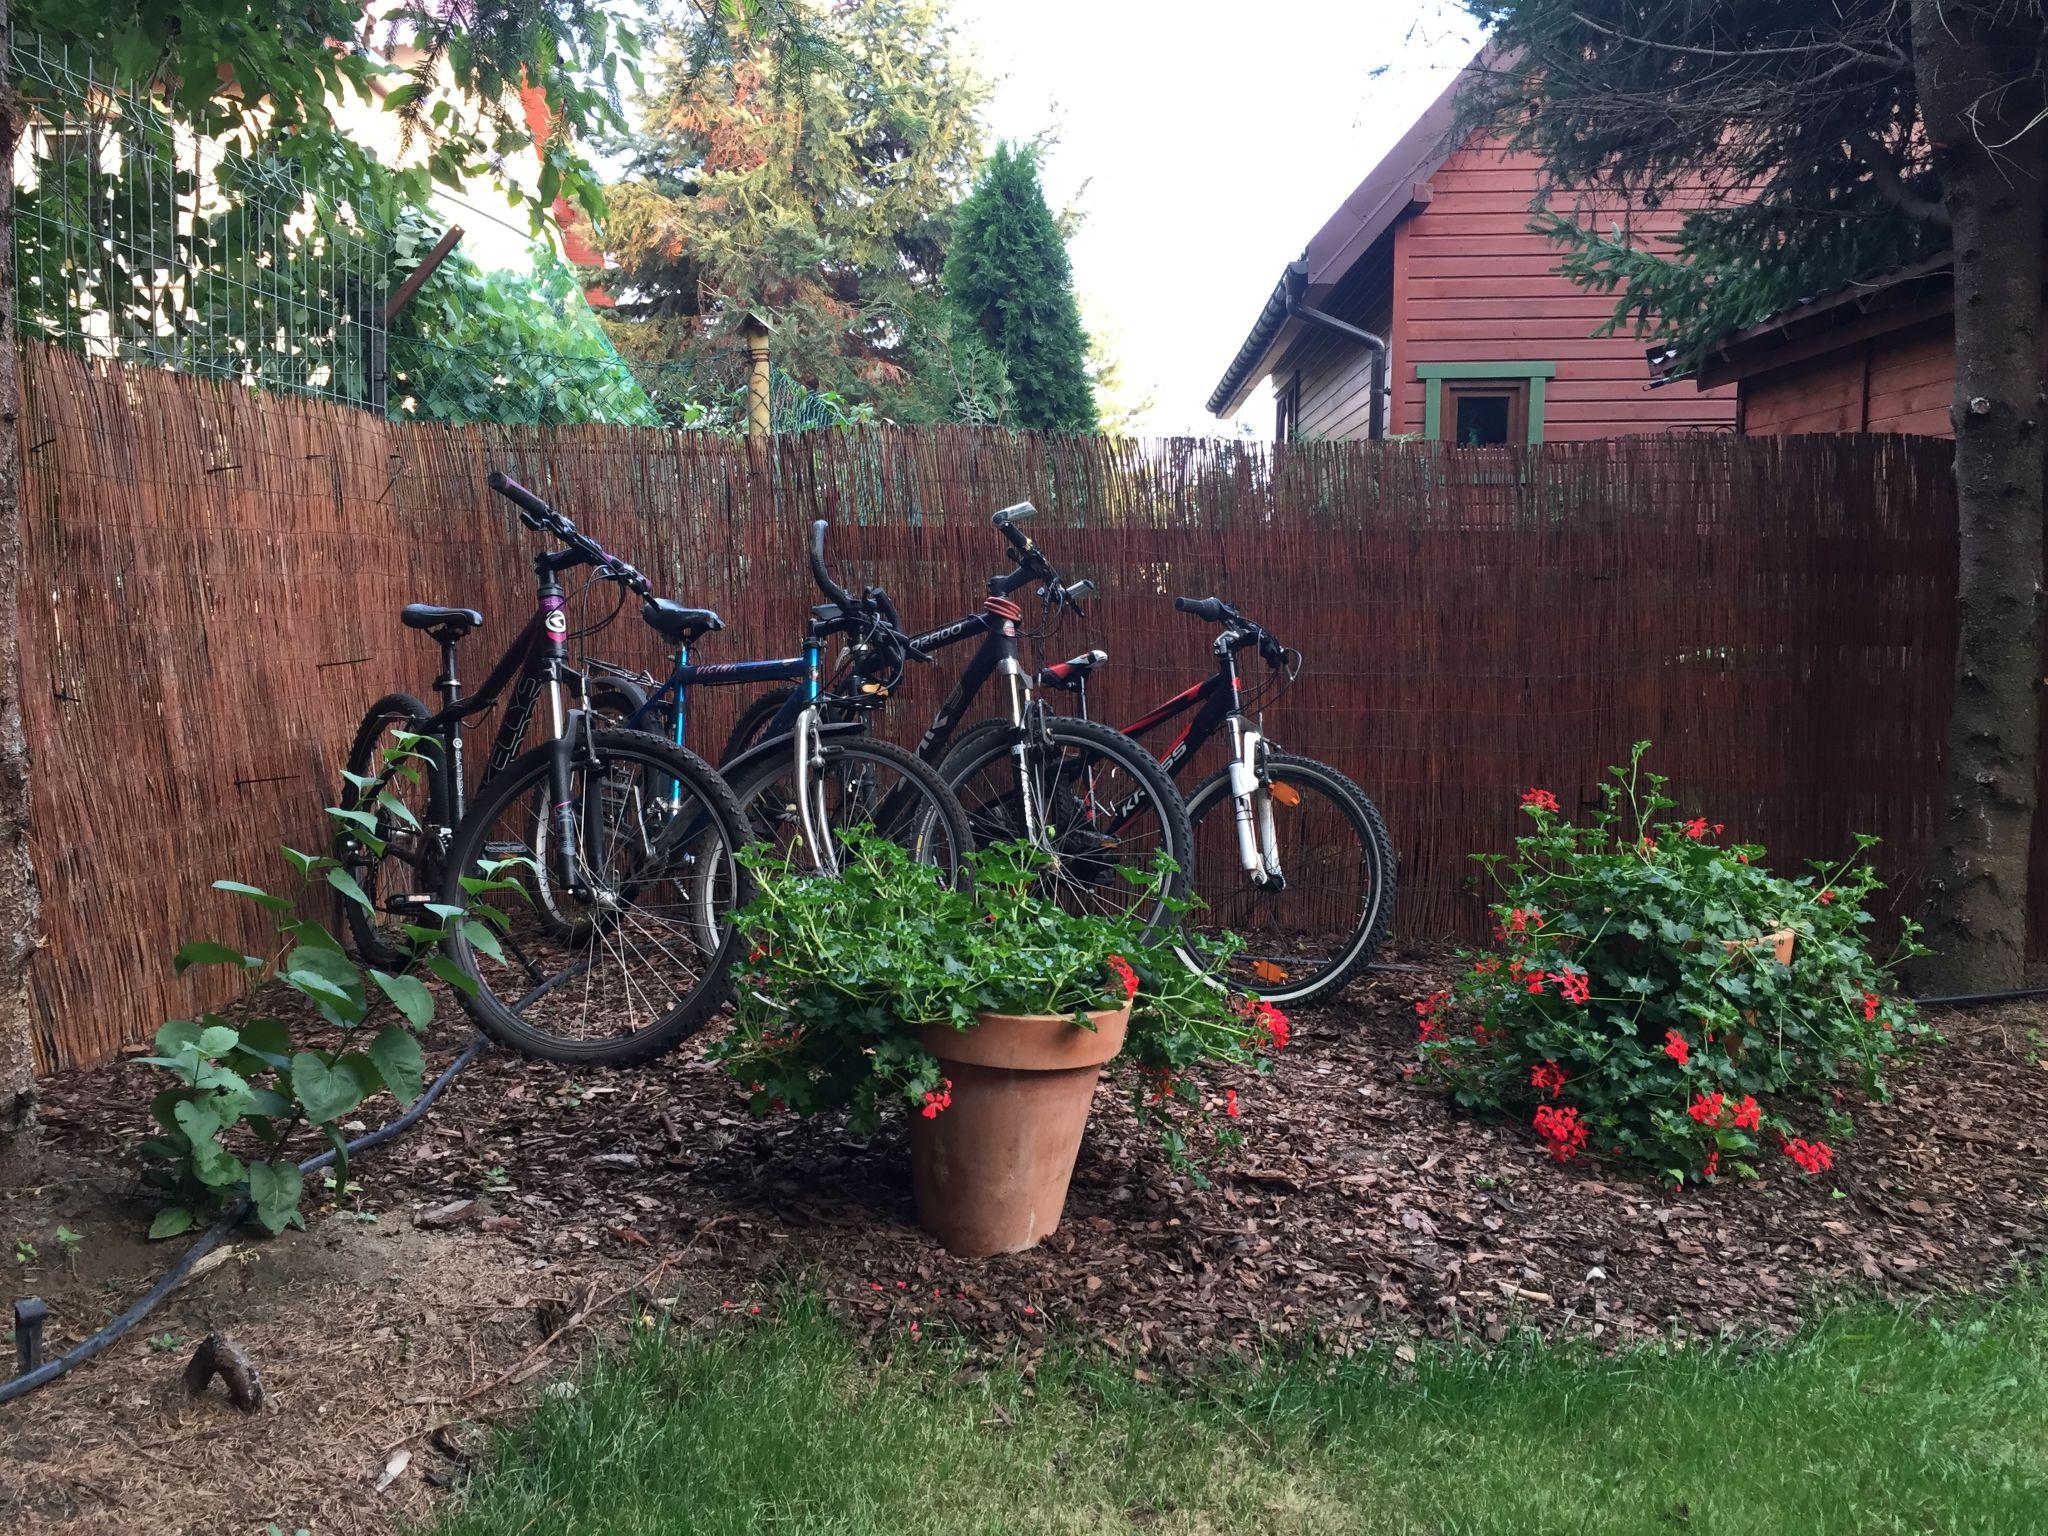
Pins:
x: 1287, y: 410
x: 1481, y: 404
x: 1483, y: 414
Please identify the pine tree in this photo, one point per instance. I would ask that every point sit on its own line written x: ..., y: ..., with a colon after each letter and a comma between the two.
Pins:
x: 1007, y: 270
x: 819, y: 202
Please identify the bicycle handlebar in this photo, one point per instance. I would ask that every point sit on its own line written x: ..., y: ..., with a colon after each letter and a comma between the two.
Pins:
x: 1214, y: 610
x: 1210, y: 610
x: 537, y: 514
x: 820, y: 575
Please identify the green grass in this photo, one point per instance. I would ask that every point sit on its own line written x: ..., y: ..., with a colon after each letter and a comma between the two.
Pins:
x: 1876, y: 1421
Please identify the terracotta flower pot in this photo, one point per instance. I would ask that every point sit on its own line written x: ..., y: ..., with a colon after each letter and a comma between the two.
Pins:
x: 991, y: 1170
x: 1778, y: 943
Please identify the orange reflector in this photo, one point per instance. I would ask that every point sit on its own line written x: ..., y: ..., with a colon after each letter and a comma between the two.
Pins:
x: 1266, y: 970
x: 1286, y: 794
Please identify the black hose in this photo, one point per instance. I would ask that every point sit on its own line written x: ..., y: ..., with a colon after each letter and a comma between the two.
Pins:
x: 1980, y: 999
x: 210, y: 1239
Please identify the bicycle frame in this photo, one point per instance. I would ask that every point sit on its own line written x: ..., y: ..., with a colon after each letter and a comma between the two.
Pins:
x: 996, y: 624
x: 1215, y: 702
x: 537, y: 659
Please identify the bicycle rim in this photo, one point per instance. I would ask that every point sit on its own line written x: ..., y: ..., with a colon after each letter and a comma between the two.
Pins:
x: 635, y: 960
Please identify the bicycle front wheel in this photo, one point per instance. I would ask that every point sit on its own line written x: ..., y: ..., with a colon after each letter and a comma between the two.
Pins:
x: 857, y: 781
x: 1095, y: 801
x: 628, y: 958
x: 1306, y: 934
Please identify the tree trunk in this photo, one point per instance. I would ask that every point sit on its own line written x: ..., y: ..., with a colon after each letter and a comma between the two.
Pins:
x: 1971, y: 62
x: 18, y: 904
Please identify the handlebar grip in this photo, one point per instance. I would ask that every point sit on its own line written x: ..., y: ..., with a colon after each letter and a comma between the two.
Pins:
x: 819, y: 574
x: 521, y: 497
x: 1211, y: 610
x: 1014, y: 513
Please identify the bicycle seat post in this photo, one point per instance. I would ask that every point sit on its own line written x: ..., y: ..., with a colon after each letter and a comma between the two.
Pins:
x: 448, y: 685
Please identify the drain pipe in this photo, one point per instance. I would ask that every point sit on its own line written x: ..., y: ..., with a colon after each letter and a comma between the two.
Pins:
x: 1381, y: 388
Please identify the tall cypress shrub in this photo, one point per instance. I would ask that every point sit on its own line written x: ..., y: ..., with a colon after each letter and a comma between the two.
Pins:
x: 1007, y: 271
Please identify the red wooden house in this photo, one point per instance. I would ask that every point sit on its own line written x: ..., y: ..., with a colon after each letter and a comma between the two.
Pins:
x: 1428, y: 306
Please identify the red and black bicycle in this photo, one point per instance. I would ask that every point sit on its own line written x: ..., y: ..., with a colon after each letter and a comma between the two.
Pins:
x: 1289, y: 854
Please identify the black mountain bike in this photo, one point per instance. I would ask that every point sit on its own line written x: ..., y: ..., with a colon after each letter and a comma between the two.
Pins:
x: 612, y: 851
x: 1094, y: 800
x: 1289, y: 853
x: 811, y: 770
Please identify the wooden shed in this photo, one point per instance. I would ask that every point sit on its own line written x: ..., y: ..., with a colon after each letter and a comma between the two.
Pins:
x: 1877, y: 356
x: 1428, y: 305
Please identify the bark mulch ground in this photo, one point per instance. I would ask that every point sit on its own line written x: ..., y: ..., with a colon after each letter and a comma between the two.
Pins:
x: 1361, y: 1208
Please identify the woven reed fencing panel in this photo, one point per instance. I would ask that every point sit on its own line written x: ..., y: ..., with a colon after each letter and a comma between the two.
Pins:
x: 222, y: 575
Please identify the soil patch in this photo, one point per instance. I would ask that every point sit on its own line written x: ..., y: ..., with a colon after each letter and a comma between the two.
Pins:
x: 1361, y: 1208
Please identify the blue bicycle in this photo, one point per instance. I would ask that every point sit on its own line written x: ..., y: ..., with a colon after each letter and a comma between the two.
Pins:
x: 813, y: 770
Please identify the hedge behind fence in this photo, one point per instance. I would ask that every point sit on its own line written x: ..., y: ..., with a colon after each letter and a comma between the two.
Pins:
x: 222, y: 575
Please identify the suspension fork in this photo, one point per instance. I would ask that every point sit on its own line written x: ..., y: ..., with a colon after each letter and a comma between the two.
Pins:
x: 806, y: 743
x: 1251, y: 799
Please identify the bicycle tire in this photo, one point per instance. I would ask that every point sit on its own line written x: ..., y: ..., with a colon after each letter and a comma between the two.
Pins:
x: 1380, y: 876
x: 751, y: 729
x: 365, y: 759
x: 980, y: 745
x: 718, y: 827
x: 940, y: 824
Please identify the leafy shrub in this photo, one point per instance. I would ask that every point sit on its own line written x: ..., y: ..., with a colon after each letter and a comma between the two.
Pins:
x: 1629, y: 1008
x: 245, y: 1090
x: 842, y: 973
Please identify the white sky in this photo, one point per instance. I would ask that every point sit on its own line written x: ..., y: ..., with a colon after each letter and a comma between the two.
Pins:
x: 1214, y: 139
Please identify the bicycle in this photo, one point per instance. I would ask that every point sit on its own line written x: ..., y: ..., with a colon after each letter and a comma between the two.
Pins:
x: 621, y: 846
x: 1091, y: 798
x: 813, y: 770
x: 1312, y: 912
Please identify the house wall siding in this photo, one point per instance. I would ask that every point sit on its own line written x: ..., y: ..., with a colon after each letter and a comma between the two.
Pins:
x: 1478, y: 285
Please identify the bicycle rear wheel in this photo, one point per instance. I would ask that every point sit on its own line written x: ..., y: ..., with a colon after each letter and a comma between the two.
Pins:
x: 1306, y: 938
x: 861, y: 782
x: 635, y: 965
x: 408, y: 867
x: 1102, y: 806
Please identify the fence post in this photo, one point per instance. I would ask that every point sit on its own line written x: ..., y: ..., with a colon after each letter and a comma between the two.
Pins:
x: 760, y: 420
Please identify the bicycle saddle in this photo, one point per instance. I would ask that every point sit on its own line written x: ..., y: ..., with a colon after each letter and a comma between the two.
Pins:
x: 441, y: 623
x: 672, y: 621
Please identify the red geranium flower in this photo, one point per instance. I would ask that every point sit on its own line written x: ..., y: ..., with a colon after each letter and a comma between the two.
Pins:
x: 1269, y: 1024
x: 1813, y: 1156
x: 1572, y: 985
x: 1676, y: 1048
x: 1748, y: 1116
x: 1825, y: 898
x: 1230, y: 1102
x: 1124, y: 974
x: 1563, y: 1133
x: 1870, y: 1002
x: 1706, y: 1109
x: 1696, y: 828
x: 937, y: 1100
x: 1540, y: 799
x: 1548, y: 1077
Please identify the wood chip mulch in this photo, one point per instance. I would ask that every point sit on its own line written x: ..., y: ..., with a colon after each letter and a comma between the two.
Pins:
x: 1361, y: 1206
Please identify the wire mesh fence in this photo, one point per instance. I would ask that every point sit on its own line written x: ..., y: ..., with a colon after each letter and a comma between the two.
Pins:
x: 139, y: 239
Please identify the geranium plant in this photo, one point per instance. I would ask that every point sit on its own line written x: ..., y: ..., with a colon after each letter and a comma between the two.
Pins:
x: 841, y: 974
x: 1635, y: 1004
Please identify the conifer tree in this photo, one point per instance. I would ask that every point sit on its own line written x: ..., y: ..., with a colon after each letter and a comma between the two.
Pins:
x: 1008, y: 271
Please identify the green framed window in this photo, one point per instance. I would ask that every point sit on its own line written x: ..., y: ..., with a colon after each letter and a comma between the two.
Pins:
x: 1484, y: 403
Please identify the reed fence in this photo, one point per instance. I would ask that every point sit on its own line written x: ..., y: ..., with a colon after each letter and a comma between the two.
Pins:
x: 223, y: 572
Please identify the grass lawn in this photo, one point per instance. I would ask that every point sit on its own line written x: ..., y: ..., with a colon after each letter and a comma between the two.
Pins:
x: 1877, y: 1420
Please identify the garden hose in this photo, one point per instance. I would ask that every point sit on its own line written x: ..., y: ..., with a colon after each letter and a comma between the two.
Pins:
x: 209, y: 1240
